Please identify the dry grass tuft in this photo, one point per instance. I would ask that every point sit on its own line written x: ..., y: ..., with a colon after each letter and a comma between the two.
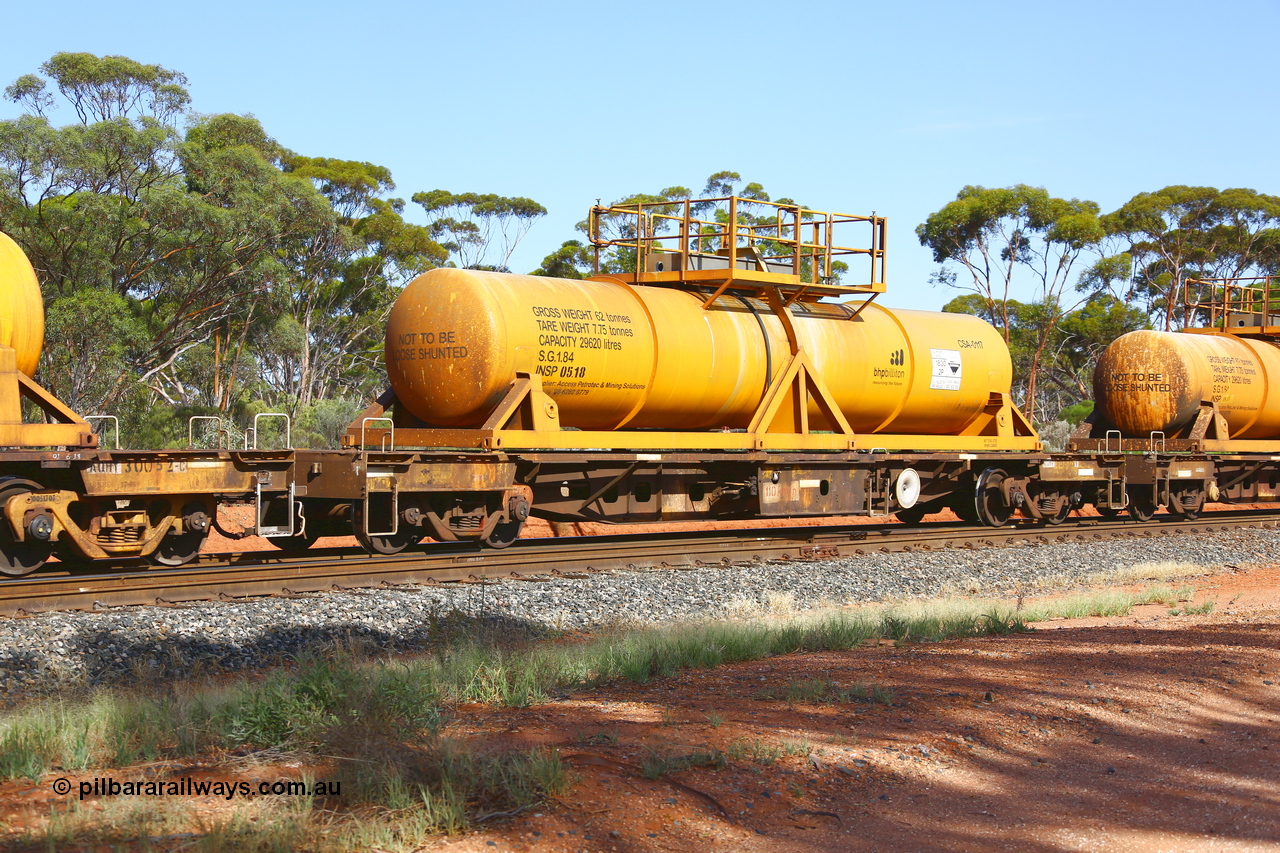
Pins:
x: 1158, y: 571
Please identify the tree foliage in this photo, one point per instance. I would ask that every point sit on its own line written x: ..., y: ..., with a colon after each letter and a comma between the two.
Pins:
x: 1181, y: 233
x: 574, y: 260
x: 103, y: 88
x: 229, y: 274
x: 1132, y: 269
x: 1062, y: 346
x: 480, y: 230
x: 194, y: 261
x: 999, y: 236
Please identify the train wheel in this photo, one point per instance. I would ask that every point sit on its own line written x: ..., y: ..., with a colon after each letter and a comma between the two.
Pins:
x: 1060, y: 513
x: 988, y: 500
x: 1142, y: 504
x: 915, y: 514
x: 1108, y: 511
x: 19, y: 558
x: 1188, y: 502
x: 181, y: 548
x: 178, y: 550
x: 504, y: 534
x: 297, y: 542
x: 311, y: 531
x: 406, y: 534
x: 315, y: 522
x: 966, y: 510
x: 405, y: 537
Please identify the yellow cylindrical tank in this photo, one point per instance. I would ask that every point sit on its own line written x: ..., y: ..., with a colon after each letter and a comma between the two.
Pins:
x: 615, y: 355
x: 1155, y: 381
x: 21, y: 309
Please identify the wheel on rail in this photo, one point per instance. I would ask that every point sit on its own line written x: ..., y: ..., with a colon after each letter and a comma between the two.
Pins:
x: 22, y: 558
x: 312, y: 530
x: 1101, y: 502
x: 988, y: 499
x: 386, y: 543
x: 296, y: 542
x: 966, y: 509
x: 508, y: 530
x: 961, y: 500
x: 1142, y: 503
x: 1058, y: 517
x: 504, y: 534
x: 389, y: 543
x: 916, y: 514
x: 313, y: 524
x: 1187, y: 502
x: 177, y: 549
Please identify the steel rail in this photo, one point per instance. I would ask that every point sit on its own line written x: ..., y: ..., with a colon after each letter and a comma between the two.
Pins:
x: 259, y: 573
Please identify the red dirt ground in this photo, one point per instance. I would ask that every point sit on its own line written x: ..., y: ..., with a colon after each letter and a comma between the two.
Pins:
x: 1145, y: 733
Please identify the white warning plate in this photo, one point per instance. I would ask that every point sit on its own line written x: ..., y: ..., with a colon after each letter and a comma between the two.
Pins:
x: 946, y: 369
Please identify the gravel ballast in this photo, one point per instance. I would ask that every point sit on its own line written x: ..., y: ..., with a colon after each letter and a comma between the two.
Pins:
x: 120, y: 646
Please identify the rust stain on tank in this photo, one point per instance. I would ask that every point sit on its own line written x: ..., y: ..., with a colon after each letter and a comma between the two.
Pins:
x: 1155, y: 382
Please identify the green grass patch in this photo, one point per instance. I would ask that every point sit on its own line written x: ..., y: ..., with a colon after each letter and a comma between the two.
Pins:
x: 381, y: 722
x: 1152, y: 571
x: 1201, y: 609
x: 1105, y: 603
x: 314, y: 705
x: 655, y: 765
x: 1168, y: 596
x: 763, y: 751
x: 1081, y: 606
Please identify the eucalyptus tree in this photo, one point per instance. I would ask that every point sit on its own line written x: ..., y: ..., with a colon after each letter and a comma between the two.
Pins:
x: 339, y: 282
x: 1005, y: 236
x: 1180, y: 233
x: 110, y: 203
x: 479, y: 230
x: 574, y: 260
x: 225, y: 267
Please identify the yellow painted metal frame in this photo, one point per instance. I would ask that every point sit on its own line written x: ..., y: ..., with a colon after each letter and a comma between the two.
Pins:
x: 755, y: 254
x: 56, y: 503
x: 1256, y: 298
x: 1208, y: 433
x: 67, y: 429
x: 1000, y: 427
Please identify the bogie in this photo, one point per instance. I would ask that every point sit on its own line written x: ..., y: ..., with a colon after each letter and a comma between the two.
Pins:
x: 24, y: 550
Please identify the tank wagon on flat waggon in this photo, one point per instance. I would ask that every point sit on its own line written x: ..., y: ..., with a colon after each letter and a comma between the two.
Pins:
x: 711, y: 382
x: 1193, y: 416
x: 716, y: 380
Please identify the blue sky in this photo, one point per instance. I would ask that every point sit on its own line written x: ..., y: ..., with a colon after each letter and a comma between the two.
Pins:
x: 847, y: 106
